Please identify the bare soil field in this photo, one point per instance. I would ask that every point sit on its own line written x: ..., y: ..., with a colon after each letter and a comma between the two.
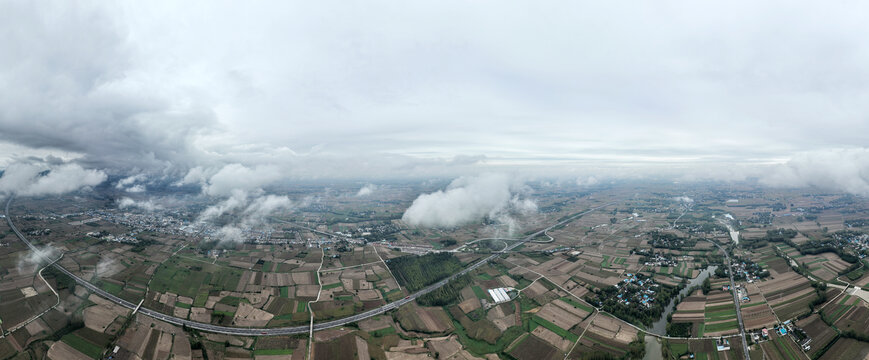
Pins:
x: 552, y: 338
x: 247, y: 315
x: 557, y: 313
x: 61, y: 351
x: 533, y: 348
x: 375, y: 323
x: 780, y: 347
x: 847, y: 349
x: 423, y: 319
x: 614, y: 329
x: 820, y: 333
x: 309, y: 291
x: 855, y: 318
x: 758, y: 316
x: 343, y: 348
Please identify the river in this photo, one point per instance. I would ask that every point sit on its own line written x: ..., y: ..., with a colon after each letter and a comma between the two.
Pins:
x: 653, y: 344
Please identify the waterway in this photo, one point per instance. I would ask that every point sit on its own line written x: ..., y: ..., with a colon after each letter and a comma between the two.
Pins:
x: 734, y: 235
x: 653, y: 344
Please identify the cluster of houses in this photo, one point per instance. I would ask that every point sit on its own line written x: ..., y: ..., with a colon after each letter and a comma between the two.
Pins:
x: 749, y: 270
x: 658, y: 259
x: 637, y: 289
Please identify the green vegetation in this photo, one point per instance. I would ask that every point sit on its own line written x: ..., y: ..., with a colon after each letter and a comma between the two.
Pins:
x: 111, y: 287
x: 232, y: 300
x: 80, y: 344
x: 447, y: 294
x: 301, y: 306
x: 273, y: 352
x: 679, y: 329
x: 721, y: 326
x: 182, y: 305
x: 417, y: 272
x: 383, y: 332
x: 608, y: 300
x: 481, y: 348
x: 331, y: 286
x: 577, y: 304
x: 187, y: 277
x: 479, y: 292
x: 554, y: 328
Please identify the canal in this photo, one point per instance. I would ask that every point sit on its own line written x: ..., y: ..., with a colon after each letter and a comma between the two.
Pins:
x: 653, y: 344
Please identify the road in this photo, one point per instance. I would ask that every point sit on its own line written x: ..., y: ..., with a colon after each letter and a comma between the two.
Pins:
x: 735, y: 301
x: 285, y: 330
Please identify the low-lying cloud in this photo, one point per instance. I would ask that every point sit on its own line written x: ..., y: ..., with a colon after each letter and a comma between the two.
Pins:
x: 839, y: 170
x: 42, y: 255
x: 470, y: 199
x: 366, y: 190
x: 683, y: 199
x: 147, y: 205
x: 44, y: 178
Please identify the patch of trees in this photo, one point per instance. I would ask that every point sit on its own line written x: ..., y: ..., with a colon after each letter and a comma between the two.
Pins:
x: 637, y: 348
x: 706, y: 287
x: 343, y: 246
x: 821, y: 291
x: 780, y: 235
x: 448, y: 242
x: 634, y: 312
x: 813, y: 247
x: 671, y: 241
x: 857, y: 223
x: 417, y: 272
x: 142, y: 244
x: 679, y: 329
x: 446, y: 295
x: 63, y: 281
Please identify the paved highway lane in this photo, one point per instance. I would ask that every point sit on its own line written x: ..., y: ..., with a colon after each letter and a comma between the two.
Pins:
x: 285, y: 330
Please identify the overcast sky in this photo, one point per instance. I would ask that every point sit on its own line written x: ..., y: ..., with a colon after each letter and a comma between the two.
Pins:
x: 368, y: 89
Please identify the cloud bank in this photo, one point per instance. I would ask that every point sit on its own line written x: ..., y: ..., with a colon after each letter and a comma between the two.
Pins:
x: 45, y: 178
x: 470, y: 199
x: 840, y: 170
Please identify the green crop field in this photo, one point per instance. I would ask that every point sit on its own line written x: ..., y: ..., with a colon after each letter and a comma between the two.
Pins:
x: 479, y: 292
x: 273, y: 352
x: 80, y: 344
x: 331, y: 286
x: 554, y: 328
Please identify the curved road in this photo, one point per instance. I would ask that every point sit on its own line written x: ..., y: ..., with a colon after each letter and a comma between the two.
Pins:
x: 285, y: 330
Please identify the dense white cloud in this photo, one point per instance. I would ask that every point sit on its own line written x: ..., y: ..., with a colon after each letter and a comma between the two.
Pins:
x: 229, y: 178
x: 366, y: 190
x: 43, y: 178
x: 839, y: 170
x: 469, y: 199
x: 147, y: 205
